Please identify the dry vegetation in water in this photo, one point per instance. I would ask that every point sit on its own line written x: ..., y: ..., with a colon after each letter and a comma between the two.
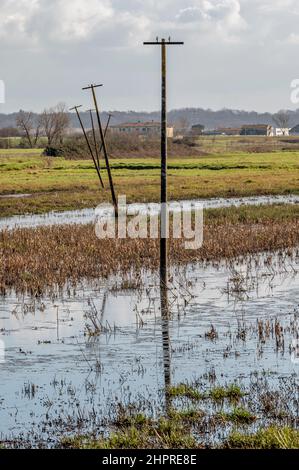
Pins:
x: 34, y: 260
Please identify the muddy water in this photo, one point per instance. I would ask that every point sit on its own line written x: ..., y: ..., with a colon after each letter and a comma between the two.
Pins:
x: 52, y: 369
x: 85, y: 216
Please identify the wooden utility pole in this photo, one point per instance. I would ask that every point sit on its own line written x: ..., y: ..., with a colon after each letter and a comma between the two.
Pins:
x: 92, y: 88
x: 94, y: 138
x: 164, y: 212
x: 98, y: 152
x: 88, y: 143
x: 106, y: 130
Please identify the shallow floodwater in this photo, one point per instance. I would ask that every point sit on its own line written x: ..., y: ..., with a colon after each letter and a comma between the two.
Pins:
x: 86, y: 216
x: 53, y: 370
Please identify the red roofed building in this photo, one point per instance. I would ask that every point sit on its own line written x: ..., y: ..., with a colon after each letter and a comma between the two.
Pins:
x: 141, y: 128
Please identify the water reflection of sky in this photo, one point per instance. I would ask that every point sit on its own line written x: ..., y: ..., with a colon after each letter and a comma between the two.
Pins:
x: 86, y: 216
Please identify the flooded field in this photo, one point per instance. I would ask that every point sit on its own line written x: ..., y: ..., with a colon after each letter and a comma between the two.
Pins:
x: 71, y: 361
x: 86, y: 216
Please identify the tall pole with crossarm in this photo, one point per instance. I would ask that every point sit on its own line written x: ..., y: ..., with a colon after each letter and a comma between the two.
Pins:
x: 164, y: 215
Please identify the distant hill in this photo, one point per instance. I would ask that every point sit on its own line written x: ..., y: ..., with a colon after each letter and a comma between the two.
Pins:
x: 180, y: 117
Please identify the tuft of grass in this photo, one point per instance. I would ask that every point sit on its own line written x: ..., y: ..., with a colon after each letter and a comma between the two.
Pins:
x: 190, y: 415
x: 270, y: 438
x: 174, y: 435
x: 238, y: 415
x: 232, y: 392
x: 134, y: 420
x: 130, y: 438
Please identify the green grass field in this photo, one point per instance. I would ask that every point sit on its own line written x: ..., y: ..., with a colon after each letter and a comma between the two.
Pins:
x: 59, y: 184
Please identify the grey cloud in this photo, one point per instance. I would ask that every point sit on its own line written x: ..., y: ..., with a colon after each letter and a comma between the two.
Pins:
x: 231, y: 46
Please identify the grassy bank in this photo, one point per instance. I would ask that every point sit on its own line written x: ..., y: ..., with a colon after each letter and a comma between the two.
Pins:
x: 41, y: 258
x: 58, y: 184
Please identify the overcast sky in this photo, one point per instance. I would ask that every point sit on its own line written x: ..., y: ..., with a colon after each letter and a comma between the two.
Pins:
x: 240, y: 54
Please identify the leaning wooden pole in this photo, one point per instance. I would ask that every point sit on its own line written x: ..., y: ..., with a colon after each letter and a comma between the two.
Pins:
x: 94, y: 139
x: 114, y: 201
x: 106, y: 130
x: 88, y: 143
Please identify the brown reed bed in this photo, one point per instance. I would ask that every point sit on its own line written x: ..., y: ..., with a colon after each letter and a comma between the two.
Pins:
x: 36, y: 260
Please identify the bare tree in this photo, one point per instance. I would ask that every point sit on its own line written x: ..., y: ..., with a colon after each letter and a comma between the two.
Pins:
x: 54, y: 123
x: 182, y: 124
x: 28, y: 126
x: 282, y: 120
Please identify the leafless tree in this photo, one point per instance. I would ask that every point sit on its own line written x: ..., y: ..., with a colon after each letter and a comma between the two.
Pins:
x: 182, y: 124
x: 54, y: 123
x: 29, y: 127
x: 282, y: 120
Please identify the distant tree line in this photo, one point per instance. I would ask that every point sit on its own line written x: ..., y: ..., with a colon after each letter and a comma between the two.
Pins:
x: 179, y: 117
x: 51, y: 126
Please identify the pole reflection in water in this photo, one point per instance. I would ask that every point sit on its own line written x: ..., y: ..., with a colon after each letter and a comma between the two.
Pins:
x: 166, y: 343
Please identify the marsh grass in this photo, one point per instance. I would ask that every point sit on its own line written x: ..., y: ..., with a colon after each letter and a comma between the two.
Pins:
x: 66, y: 184
x: 174, y: 422
x: 35, y: 260
x: 94, y: 320
x: 233, y: 393
x: 269, y: 438
x: 190, y: 415
x: 184, y: 390
x: 238, y: 415
x: 164, y: 434
x: 188, y: 427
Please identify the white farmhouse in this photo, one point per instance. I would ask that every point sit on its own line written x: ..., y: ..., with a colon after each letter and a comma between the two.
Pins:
x: 282, y: 132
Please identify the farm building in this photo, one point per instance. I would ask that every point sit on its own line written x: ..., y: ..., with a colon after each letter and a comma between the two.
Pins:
x: 257, y: 129
x: 141, y: 128
x: 280, y: 132
x: 294, y: 130
x: 197, y: 129
x: 229, y: 130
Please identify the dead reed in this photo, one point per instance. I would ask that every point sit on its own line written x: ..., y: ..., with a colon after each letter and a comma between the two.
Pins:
x: 35, y: 260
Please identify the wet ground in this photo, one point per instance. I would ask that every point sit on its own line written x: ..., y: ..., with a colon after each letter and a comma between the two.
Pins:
x: 85, y: 216
x: 98, y: 345
x: 14, y: 196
